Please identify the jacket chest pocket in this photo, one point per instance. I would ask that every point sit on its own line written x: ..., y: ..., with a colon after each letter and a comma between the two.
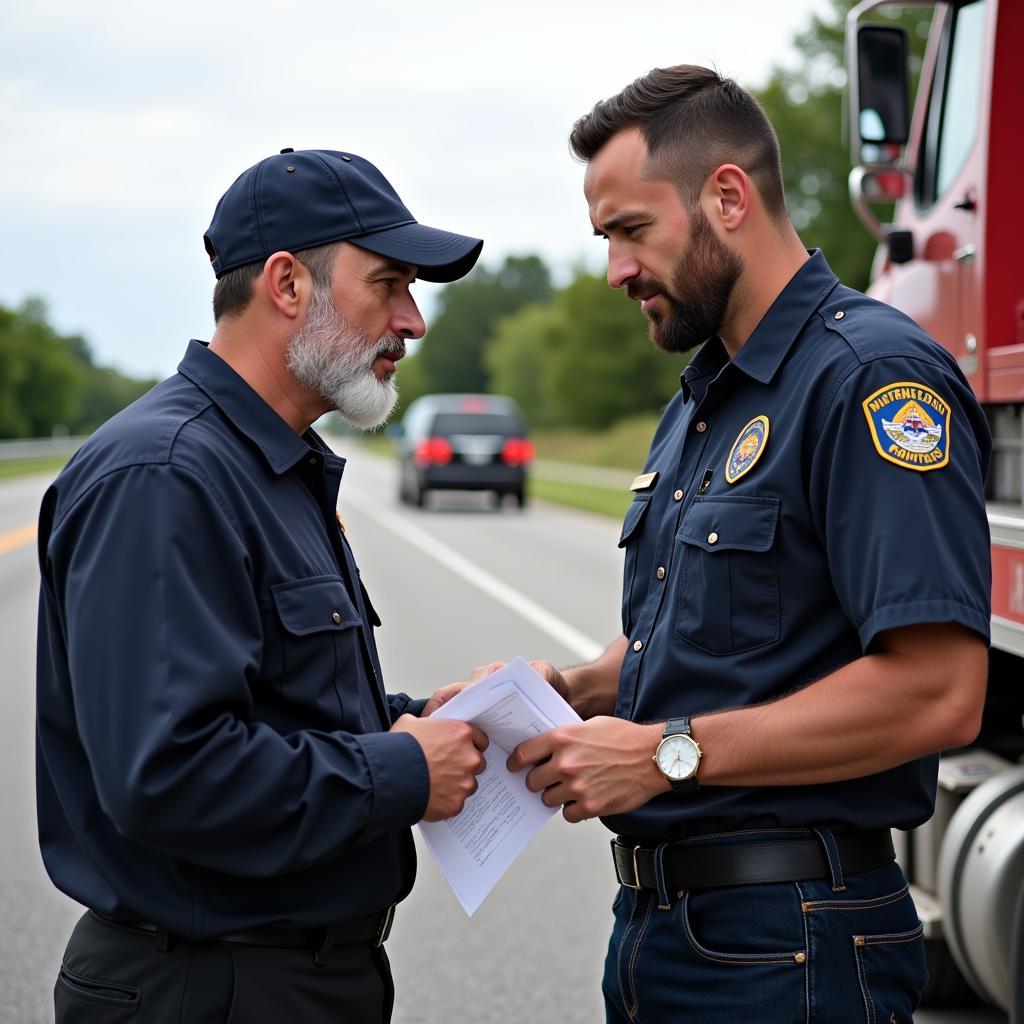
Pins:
x: 630, y: 540
x: 728, y: 596
x: 316, y: 655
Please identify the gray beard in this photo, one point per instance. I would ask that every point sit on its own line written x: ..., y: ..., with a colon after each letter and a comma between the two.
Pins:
x: 334, y: 358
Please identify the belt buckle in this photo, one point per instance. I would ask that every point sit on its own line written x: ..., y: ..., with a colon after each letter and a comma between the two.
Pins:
x: 635, y: 885
x: 385, y: 926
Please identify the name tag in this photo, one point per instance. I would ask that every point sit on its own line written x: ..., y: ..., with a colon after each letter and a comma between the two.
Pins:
x: 643, y: 481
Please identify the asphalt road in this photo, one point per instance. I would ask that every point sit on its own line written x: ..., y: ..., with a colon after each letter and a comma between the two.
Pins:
x: 455, y: 585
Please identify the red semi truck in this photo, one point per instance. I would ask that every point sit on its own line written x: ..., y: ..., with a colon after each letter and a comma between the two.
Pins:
x: 952, y: 163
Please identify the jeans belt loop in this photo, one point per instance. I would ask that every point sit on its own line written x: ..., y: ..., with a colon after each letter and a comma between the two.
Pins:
x: 664, y: 900
x: 835, y: 865
x: 162, y: 940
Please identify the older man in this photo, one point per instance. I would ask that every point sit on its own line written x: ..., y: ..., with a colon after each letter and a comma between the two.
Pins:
x: 222, y: 779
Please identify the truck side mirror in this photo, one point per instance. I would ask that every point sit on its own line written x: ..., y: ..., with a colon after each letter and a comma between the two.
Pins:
x: 882, y: 106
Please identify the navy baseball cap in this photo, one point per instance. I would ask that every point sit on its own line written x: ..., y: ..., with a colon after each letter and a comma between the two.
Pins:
x: 297, y: 200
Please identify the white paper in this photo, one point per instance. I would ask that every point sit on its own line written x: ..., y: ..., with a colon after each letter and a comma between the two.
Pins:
x: 476, y: 847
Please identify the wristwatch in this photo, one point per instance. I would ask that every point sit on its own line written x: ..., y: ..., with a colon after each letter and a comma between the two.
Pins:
x: 678, y: 756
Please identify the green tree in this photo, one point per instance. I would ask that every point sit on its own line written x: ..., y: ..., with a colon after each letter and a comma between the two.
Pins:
x: 806, y: 106
x: 519, y: 357
x: 584, y: 359
x: 451, y: 358
x: 48, y: 382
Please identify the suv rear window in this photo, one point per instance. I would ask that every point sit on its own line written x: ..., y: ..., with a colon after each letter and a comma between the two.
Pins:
x: 448, y: 423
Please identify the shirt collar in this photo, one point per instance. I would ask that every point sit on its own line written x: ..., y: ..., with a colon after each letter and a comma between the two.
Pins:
x: 247, y: 411
x: 763, y: 352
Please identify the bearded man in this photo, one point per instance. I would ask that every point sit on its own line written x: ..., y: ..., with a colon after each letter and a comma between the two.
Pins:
x: 795, y: 648
x: 222, y: 779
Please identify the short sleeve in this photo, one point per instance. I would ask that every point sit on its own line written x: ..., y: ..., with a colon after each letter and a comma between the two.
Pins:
x: 897, y: 492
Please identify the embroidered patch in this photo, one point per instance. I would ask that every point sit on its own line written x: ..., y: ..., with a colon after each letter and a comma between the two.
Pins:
x: 909, y: 425
x: 747, y: 449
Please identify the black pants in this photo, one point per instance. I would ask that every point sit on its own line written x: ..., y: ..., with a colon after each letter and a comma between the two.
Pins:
x: 117, y: 975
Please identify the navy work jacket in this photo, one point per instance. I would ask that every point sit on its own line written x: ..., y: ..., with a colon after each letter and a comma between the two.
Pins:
x: 824, y: 485
x: 212, y: 745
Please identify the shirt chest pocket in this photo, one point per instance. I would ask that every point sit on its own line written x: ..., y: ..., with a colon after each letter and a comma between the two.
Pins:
x: 315, y: 657
x: 728, y: 581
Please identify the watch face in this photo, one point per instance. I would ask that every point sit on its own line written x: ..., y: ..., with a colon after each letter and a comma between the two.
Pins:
x: 677, y: 757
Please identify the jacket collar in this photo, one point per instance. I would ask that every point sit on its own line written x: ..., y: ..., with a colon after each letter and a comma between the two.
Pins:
x: 247, y: 411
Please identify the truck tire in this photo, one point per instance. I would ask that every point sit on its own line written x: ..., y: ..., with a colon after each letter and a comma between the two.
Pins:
x: 980, y: 875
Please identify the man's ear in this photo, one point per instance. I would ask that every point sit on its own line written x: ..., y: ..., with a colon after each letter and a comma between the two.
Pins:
x: 286, y: 284
x: 729, y: 190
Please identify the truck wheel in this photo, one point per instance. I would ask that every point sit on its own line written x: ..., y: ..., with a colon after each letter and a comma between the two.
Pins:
x: 981, y: 872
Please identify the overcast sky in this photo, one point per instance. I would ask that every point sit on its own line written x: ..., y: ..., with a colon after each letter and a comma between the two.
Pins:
x: 124, y: 122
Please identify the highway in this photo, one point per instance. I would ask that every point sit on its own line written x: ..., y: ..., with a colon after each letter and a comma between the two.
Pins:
x: 455, y: 585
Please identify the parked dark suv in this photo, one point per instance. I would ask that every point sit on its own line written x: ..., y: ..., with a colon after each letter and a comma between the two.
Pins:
x: 463, y: 443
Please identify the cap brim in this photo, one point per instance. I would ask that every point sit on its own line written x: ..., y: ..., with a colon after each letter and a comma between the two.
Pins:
x: 440, y: 256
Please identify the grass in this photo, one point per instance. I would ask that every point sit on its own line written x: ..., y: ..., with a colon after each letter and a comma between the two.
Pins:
x: 25, y: 467
x: 622, y: 446
x: 600, y: 500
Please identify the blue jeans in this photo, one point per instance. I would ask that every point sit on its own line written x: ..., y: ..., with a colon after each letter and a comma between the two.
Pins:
x: 779, y: 953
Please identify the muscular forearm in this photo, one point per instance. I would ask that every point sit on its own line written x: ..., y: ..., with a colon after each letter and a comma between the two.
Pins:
x: 593, y: 687
x: 920, y: 693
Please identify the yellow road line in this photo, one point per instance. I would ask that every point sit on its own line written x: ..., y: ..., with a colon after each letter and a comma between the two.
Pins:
x: 17, y: 538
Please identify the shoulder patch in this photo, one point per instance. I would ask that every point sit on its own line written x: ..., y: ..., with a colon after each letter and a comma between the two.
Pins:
x: 747, y: 449
x: 909, y: 425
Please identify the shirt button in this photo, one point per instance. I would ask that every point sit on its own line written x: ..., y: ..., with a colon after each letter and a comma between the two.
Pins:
x: 678, y: 496
x: 638, y: 645
x: 335, y: 617
x: 701, y: 427
x: 712, y: 538
x: 312, y: 460
x: 661, y: 572
x: 840, y: 315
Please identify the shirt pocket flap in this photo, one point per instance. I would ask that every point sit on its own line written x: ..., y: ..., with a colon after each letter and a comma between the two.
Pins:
x: 315, y: 605
x: 634, y: 517
x: 731, y: 524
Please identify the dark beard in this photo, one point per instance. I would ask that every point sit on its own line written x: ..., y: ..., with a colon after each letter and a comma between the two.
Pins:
x: 703, y: 279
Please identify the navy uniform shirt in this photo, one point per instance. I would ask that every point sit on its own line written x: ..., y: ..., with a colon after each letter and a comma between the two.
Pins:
x: 212, y: 748
x: 823, y: 486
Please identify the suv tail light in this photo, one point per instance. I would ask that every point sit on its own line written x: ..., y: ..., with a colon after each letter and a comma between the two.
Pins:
x: 517, y: 451
x: 433, y: 451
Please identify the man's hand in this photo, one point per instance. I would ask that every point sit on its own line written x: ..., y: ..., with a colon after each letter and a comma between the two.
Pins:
x: 445, y: 693
x: 550, y: 674
x: 602, y: 766
x: 454, y: 759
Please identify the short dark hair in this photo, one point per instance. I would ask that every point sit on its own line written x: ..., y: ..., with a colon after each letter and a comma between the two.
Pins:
x: 233, y: 291
x: 693, y: 120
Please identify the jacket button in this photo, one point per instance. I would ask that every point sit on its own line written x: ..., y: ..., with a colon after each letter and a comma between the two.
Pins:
x: 638, y: 645
x: 335, y: 617
x: 661, y: 572
x: 701, y: 427
x: 678, y: 496
x: 712, y: 538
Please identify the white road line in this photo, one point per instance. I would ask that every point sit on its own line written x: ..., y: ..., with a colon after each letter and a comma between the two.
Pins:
x: 581, y: 646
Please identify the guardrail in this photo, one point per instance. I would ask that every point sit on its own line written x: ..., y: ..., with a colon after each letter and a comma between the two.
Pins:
x: 39, y: 447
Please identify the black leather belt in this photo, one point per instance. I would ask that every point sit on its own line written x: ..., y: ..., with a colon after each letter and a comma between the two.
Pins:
x: 373, y: 929
x: 689, y: 866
